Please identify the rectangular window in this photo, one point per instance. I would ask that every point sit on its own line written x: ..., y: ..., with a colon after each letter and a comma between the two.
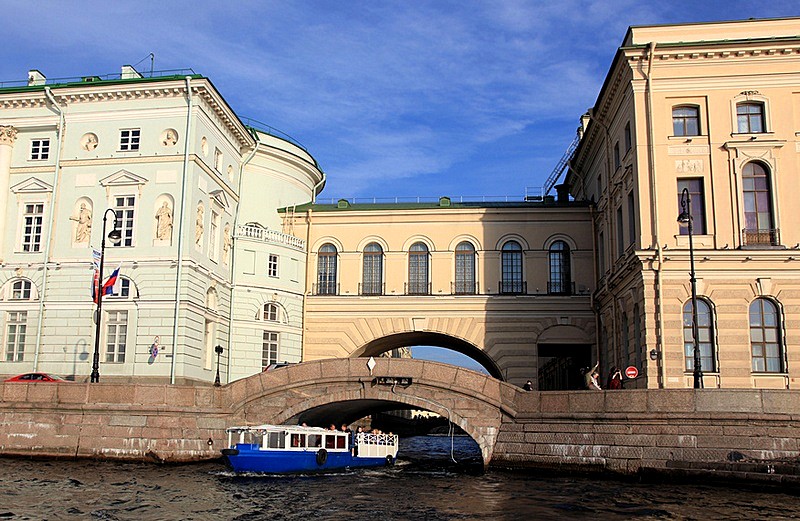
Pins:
x: 631, y: 219
x: 617, y: 159
x: 117, y: 332
x: 15, y: 335
x: 32, y: 227
x: 685, y: 121
x: 695, y: 187
x: 129, y: 139
x: 628, y: 140
x: 40, y: 149
x: 269, y: 350
x: 750, y: 118
x: 214, y: 236
x: 124, y: 207
x: 620, y: 233
x: 272, y: 265
x: 601, y: 254
x: 599, y: 185
x: 217, y: 160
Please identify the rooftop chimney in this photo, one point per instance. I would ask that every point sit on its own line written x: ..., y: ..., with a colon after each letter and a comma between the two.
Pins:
x: 36, y: 78
x: 129, y: 73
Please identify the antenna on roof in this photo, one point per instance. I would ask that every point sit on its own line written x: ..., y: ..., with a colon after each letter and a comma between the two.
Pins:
x: 152, y: 57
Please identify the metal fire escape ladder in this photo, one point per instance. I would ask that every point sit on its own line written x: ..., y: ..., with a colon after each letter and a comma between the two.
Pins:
x: 562, y: 163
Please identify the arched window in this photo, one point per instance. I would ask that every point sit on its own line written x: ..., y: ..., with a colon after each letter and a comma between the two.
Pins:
x: 750, y: 118
x: 326, y: 270
x: 271, y: 312
x: 121, y: 290
x: 21, y: 290
x: 686, y: 121
x: 511, y: 260
x: 560, y: 274
x: 765, y: 337
x: 418, y: 270
x: 757, y: 198
x: 465, y: 269
x: 372, y: 277
x: 705, y: 337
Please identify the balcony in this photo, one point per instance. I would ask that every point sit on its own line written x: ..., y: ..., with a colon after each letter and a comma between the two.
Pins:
x: 417, y: 288
x: 464, y: 287
x: 325, y: 288
x: 560, y: 288
x: 755, y: 237
x: 261, y: 234
x: 371, y: 289
x: 512, y: 287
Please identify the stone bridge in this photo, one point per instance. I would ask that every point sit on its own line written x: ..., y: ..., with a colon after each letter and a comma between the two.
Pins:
x: 345, y: 390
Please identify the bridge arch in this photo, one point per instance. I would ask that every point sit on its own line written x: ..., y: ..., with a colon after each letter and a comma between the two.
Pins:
x: 386, y: 343
x: 475, y: 402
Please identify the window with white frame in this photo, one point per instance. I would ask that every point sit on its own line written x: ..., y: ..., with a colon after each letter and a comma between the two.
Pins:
x: 750, y: 118
x: 32, y: 221
x: 129, y: 139
x: 21, y: 290
x: 124, y: 208
x: 272, y: 265
x: 16, y: 326
x: 116, y: 336
x: 40, y: 149
x: 272, y: 312
x: 269, y: 350
x: 214, y: 236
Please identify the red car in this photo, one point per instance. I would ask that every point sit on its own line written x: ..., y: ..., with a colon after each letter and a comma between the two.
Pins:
x: 37, y: 377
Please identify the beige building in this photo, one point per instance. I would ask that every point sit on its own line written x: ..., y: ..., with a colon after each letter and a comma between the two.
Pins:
x: 508, y: 284
x: 715, y: 109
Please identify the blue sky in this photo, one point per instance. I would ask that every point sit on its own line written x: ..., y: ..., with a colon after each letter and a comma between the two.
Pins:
x: 393, y: 98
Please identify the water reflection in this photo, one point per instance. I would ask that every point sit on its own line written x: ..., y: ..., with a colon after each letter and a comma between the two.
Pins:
x: 425, y: 484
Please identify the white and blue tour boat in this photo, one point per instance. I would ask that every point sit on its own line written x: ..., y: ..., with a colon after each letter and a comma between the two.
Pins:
x: 286, y: 448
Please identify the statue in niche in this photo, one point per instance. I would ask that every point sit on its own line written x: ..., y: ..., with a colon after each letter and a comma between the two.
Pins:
x: 83, y: 229
x: 226, y: 243
x: 170, y: 138
x: 198, y: 229
x: 164, y: 220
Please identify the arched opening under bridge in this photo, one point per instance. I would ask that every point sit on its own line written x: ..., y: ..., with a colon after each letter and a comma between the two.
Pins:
x: 427, y: 338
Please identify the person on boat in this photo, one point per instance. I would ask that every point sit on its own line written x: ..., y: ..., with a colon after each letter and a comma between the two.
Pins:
x: 345, y: 429
x: 332, y: 427
x: 354, y: 441
x: 528, y: 386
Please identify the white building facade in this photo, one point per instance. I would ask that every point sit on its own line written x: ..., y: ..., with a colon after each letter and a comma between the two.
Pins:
x: 201, y: 264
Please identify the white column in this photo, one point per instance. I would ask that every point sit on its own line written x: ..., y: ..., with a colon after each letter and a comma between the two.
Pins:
x: 8, y: 135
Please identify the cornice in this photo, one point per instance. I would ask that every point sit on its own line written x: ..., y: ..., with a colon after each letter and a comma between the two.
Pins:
x: 702, y: 52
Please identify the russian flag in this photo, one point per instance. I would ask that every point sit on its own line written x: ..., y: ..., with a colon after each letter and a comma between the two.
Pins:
x: 113, y: 284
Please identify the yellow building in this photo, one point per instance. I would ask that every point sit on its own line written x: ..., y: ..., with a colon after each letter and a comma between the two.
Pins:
x: 714, y: 109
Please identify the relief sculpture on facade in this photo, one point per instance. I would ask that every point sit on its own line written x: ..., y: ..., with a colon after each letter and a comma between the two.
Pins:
x: 83, y: 228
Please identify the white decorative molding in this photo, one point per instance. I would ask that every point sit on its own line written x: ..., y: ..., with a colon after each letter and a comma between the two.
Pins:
x: 123, y: 178
x: 32, y: 185
x: 687, y: 150
x: 689, y: 166
x: 8, y: 135
x: 219, y: 197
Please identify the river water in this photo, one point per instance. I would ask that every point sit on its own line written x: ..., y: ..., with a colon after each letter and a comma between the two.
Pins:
x: 425, y: 484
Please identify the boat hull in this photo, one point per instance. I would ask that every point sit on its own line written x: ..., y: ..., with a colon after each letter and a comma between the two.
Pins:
x: 248, y: 458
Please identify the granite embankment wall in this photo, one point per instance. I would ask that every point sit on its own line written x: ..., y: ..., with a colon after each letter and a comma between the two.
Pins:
x: 625, y: 431
x: 621, y: 431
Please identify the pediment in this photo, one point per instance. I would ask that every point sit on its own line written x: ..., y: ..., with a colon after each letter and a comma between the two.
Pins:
x: 32, y: 185
x: 219, y: 197
x: 123, y: 178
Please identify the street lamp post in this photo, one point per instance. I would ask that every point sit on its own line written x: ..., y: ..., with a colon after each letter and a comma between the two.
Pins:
x: 115, y: 235
x: 217, y: 350
x: 686, y: 217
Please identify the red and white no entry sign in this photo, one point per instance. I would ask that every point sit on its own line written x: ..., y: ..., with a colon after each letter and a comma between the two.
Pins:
x: 631, y: 372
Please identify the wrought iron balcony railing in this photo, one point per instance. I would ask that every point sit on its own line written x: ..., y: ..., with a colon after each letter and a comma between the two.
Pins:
x: 464, y: 287
x: 763, y: 237
x: 560, y: 288
x: 417, y: 288
x: 325, y: 288
x: 371, y: 288
x: 512, y: 287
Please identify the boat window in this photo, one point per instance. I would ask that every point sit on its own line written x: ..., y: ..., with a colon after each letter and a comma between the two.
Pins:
x: 315, y: 440
x: 330, y: 442
x: 275, y: 440
x: 298, y: 440
x: 340, y: 442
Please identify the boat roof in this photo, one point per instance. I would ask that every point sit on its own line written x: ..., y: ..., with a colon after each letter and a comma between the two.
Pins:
x: 289, y: 428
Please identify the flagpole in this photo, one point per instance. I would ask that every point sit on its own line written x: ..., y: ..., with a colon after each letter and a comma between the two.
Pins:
x: 95, y: 377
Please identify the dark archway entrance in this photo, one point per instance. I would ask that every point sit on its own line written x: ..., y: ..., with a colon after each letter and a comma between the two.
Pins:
x: 560, y: 366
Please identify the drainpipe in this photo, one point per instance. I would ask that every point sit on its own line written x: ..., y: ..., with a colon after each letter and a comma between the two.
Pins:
x: 56, y: 175
x: 654, y: 222
x: 233, y: 252
x: 179, y: 273
x: 314, y: 191
x: 309, y: 274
